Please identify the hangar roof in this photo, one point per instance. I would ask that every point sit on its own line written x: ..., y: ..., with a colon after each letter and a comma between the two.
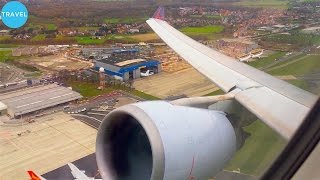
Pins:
x: 3, y: 106
x: 36, y: 98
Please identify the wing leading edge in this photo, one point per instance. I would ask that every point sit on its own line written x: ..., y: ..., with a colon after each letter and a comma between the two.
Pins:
x: 279, y: 104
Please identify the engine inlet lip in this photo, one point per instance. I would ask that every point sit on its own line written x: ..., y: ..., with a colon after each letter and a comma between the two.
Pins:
x: 158, y: 155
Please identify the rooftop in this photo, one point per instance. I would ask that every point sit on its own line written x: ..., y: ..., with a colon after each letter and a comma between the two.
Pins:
x: 36, y: 98
x: 123, y: 60
x: 3, y: 106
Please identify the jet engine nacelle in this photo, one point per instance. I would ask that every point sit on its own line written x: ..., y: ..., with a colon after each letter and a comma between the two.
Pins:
x: 157, y: 140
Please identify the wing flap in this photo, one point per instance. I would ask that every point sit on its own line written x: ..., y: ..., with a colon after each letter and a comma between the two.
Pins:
x: 283, y: 114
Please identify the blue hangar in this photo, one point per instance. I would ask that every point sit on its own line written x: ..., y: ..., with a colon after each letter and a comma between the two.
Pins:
x: 127, y: 67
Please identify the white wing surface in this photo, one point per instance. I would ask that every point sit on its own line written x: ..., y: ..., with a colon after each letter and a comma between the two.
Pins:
x: 280, y: 105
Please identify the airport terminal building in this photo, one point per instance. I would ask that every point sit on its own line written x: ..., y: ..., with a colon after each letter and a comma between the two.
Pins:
x: 127, y: 67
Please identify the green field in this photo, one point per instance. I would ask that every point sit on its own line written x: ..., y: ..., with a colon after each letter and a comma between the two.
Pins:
x: 127, y: 20
x: 51, y: 27
x: 202, y: 30
x: 87, y: 40
x: 259, y: 63
x: 306, y: 65
x: 296, y: 39
x: 8, y: 46
x: 90, y: 90
x: 206, y: 32
x: 39, y: 37
x: 143, y: 95
x: 260, y: 149
x: 3, y: 38
x: 6, y: 55
x: 215, y: 93
x: 281, y: 4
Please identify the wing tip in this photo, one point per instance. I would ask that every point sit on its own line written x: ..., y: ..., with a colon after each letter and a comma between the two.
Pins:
x: 159, y: 14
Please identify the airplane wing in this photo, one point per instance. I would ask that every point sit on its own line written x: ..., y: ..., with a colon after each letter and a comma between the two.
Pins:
x: 78, y: 174
x: 280, y: 105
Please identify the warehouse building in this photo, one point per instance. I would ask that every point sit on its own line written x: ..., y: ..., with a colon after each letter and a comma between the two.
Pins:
x: 97, y: 53
x: 127, y: 67
x: 30, y: 100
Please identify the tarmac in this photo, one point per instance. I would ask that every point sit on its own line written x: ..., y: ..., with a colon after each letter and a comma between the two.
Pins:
x: 87, y: 164
x: 187, y: 82
x: 50, y: 142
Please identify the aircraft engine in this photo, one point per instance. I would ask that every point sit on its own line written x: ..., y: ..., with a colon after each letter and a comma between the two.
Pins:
x: 157, y: 140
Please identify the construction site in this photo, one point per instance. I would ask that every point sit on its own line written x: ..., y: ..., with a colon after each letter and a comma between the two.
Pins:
x: 55, y: 63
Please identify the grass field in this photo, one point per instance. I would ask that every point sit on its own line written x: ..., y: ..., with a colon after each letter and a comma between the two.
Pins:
x: 8, y: 46
x: 5, y: 56
x: 259, y: 63
x: 127, y: 20
x: 145, y: 37
x: 39, y: 37
x: 281, y: 4
x: 296, y: 39
x: 2, y: 38
x: 87, y: 40
x: 143, y: 95
x: 90, y: 90
x: 206, y: 32
x: 51, y: 27
x: 259, y: 150
x: 308, y: 64
x: 215, y: 93
x: 202, y: 30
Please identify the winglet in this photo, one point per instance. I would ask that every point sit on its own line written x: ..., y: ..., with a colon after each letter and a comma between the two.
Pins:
x: 159, y: 14
x: 34, y: 176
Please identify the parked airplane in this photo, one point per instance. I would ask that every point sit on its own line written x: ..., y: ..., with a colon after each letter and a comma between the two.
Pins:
x: 257, y: 53
x: 76, y: 173
x: 245, y: 57
x: 194, y: 137
x: 147, y: 73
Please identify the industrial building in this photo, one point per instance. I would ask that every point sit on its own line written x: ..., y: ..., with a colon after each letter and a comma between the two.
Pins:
x: 25, y: 101
x: 3, y: 109
x: 127, y: 67
x: 96, y: 53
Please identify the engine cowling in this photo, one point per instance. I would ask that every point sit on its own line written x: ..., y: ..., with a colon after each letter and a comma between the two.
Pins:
x: 157, y: 140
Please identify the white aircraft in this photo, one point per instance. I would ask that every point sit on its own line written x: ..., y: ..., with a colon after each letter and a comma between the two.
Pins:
x: 76, y: 173
x: 193, y: 138
x: 245, y: 58
x: 257, y: 54
x: 147, y: 73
